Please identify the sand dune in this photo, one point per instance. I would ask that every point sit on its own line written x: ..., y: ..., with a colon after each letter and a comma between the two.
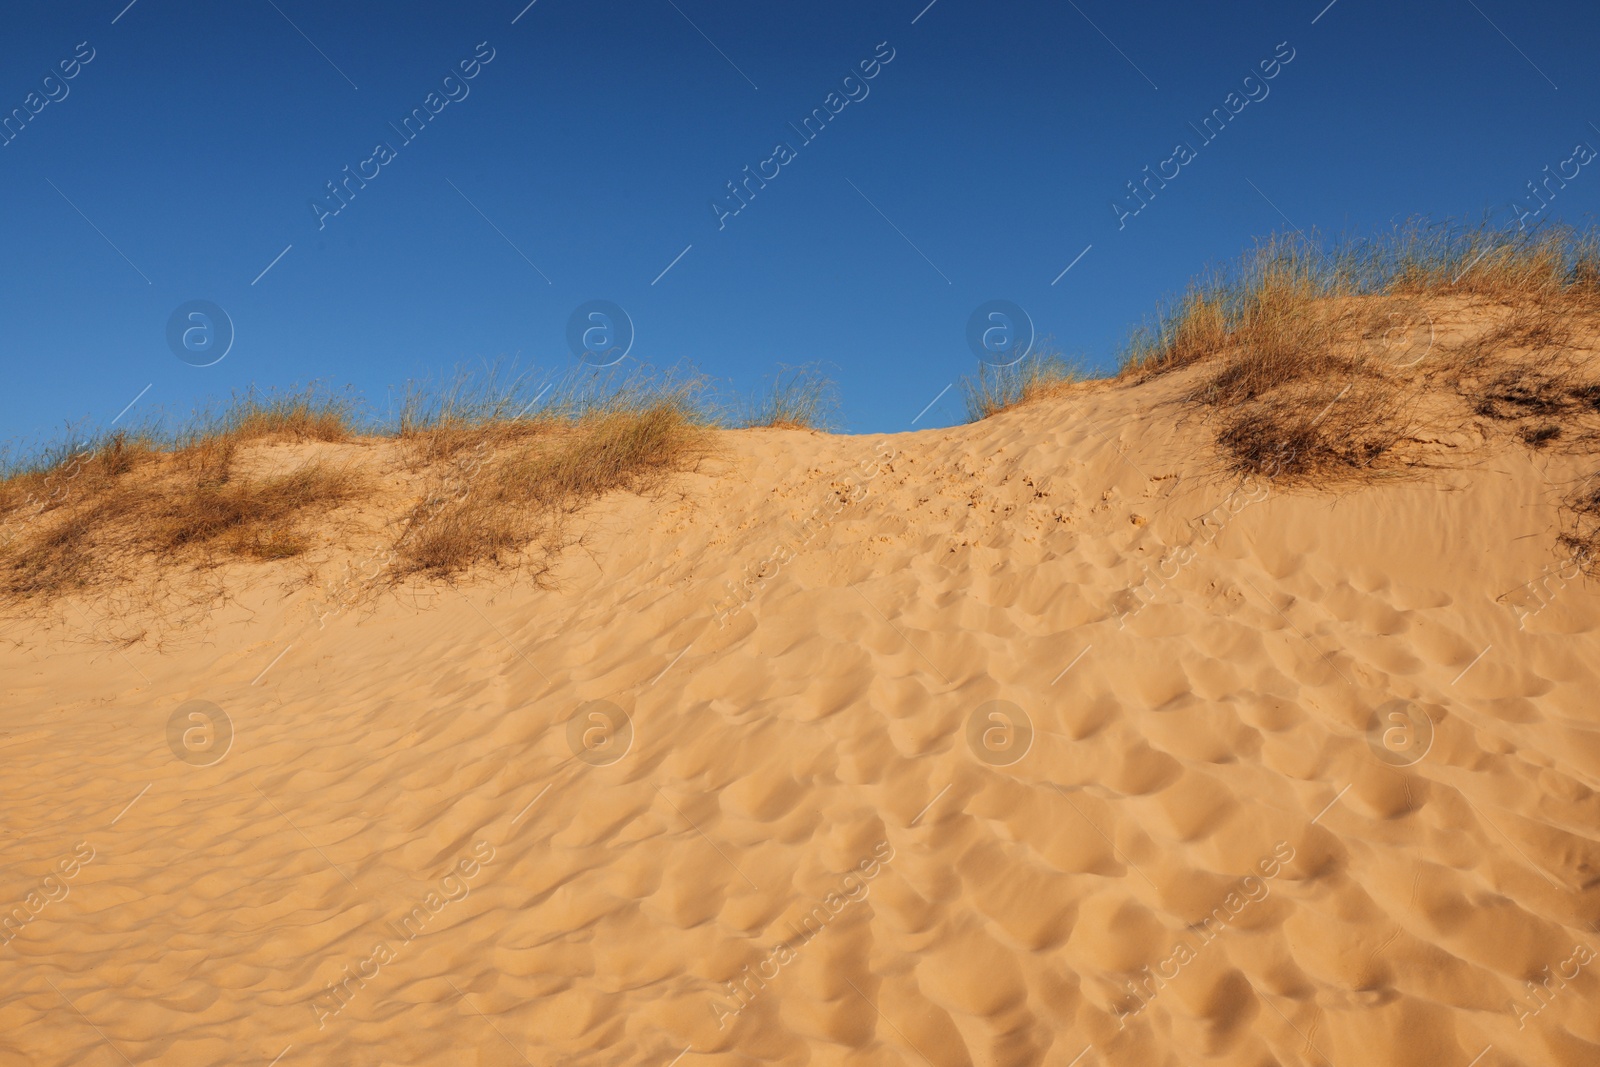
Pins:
x: 1041, y: 740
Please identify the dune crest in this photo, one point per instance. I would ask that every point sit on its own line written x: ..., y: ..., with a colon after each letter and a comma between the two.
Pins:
x: 1049, y: 739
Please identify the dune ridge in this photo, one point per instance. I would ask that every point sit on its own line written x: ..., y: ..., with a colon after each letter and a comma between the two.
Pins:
x: 1082, y: 801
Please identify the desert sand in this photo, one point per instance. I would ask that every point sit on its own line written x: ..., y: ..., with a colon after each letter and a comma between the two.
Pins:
x: 844, y: 750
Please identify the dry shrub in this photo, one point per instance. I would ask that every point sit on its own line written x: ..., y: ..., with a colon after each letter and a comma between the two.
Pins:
x: 612, y: 450
x: 208, y: 508
x: 51, y: 506
x: 40, y: 482
x: 1537, y: 395
x: 1316, y: 431
x: 447, y: 541
x: 1521, y: 391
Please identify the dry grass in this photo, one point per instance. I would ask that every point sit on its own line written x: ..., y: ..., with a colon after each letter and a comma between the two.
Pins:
x: 83, y: 515
x: 996, y: 389
x: 801, y: 398
x: 524, y: 497
x: 255, y: 517
x: 474, y: 410
x: 1317, y: 364
x: 1273, y: 291
x: 125, y: 504
x: 1581, y: 536
x: 309, y: 414
x: 503, y: 483
x: 507, y: 461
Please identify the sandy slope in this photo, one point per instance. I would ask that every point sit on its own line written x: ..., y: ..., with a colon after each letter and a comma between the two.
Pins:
x: 1207, y: 854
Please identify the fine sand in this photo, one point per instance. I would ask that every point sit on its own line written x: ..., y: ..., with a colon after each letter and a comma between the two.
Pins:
x: 842, y: 750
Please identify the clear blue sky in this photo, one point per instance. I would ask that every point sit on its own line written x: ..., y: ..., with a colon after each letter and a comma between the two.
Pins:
x: 979, y: 162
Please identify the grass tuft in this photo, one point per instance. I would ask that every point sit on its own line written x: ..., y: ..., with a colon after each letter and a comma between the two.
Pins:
x: 801, y: 398
x: 507, y: 460
x: 513, y: 490
x: 996, y: 389
x: 186, y: 506
x: 311, y: 413
x: 1315, y: 362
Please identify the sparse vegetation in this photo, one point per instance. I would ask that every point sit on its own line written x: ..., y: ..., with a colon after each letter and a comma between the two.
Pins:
x: 1316, y: 363
x: 130, y: 500
x: 505, y: 464
x: 518, y: 488
x: 474, y: 409
x: 801, y: 398
x: 1313, y: 364
x: 1582, y: 534
x: 1291, y: 287
x: 996, y: 389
